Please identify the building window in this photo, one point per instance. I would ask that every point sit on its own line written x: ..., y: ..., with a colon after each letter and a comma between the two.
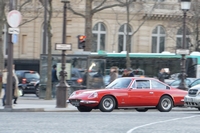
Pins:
x: 179, y: 38
x: 122, y: 37
x: 99, y: 37
x: 158, y: 40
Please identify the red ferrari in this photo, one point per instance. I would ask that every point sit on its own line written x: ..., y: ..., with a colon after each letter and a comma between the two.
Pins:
x: 129, y: 92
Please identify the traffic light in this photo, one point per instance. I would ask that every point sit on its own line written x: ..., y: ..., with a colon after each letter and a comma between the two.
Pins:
x: 81, y: 41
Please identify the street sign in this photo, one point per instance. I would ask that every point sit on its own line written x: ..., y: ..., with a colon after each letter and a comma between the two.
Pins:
x: 13, y: 30
x: 14, y: 18
x: 14, y: 38
x: 60, y: 46
x: 183, y: 51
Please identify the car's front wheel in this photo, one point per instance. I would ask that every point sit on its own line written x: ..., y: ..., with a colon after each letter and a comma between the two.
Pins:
x: 165, y: 104
x: 107, y: 104
x: 141, y: 109
x: 84, y: 109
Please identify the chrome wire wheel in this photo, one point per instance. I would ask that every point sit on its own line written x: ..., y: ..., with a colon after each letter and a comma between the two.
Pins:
x: 107, y: 104
x: 165, y: 104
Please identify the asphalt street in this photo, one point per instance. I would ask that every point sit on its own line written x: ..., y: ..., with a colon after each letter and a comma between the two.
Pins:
x: 98, y: 122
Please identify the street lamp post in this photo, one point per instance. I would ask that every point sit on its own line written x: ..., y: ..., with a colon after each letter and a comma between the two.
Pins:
x: 185, y: 6
x: 61, y: 93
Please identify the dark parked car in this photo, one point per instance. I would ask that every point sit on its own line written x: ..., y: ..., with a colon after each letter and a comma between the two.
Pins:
x: 28, y: 81
x: 176, y: 83
x: 76, y: 80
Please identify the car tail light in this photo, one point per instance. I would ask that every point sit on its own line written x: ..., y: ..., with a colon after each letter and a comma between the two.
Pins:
x: 80, y: 80
x: 23, y: 81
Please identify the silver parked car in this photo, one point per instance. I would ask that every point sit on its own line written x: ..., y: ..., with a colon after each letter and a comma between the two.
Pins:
x: 192, y: 99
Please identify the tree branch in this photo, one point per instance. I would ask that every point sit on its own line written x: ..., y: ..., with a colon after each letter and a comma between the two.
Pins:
x: 74, y: 12
x: 105, y: 7
x: 26, y: 2
x: 99, y: 5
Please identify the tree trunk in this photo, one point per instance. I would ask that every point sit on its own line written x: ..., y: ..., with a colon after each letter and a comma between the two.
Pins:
x: 128, y: 40
x: 88, y: 25
x: 2, y: 7
x: 49, y: 83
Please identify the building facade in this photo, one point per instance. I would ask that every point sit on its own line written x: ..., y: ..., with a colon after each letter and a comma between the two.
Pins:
x: 155, y: 26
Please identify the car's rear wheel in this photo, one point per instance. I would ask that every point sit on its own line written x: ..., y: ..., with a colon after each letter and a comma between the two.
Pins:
x: 107, y: 104
x: 141, y: 109
x: 84, y: 109
x: 165, y: 104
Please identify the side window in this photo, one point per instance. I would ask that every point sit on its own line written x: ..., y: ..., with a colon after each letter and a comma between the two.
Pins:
x: 142, y: 84
x: 158, y: 85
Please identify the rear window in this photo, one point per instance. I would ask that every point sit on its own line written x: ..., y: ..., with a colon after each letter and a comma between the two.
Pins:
x: 34, y: 75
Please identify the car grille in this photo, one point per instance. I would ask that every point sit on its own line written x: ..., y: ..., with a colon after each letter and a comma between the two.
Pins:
x: 192, y: 92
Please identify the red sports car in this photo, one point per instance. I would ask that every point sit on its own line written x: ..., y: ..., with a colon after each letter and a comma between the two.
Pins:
x: 129, y: 92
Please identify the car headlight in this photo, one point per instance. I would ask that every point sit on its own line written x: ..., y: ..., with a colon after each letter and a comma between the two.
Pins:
x: 93, y: 95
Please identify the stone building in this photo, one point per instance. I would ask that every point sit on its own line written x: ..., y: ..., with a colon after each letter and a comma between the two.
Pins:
x: 155, y: 26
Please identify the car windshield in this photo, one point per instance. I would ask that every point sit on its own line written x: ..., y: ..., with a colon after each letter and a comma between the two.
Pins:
x: 177, y: 82
x: 119, y: 83
x: 30, y: 75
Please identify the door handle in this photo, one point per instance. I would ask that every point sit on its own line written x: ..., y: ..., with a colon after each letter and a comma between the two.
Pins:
x: 151, y: 92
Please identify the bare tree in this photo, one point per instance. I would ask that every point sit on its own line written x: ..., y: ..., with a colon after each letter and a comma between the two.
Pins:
x: 90, y: 10
x: 129, y: 5
x: 24, y: 8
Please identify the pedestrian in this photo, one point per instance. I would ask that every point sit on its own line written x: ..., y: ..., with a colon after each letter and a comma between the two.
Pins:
x: 54, y: 80
x: 161, y: 75
x: 130, y: 72
x: 15, y: 86
x: 113, y: 73
x: 125, y: 73
x: 4, y: 81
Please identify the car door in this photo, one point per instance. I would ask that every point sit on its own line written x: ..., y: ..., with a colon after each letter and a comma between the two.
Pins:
x: 158, y: 88
x: 140, y: 93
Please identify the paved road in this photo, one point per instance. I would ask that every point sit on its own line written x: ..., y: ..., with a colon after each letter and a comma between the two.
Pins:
x: 98, y: 122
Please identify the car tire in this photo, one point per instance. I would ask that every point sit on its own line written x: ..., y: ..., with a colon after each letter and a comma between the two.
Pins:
x: 165, y: 104
x: 37, y: 91
x: 84, y: 109
x: 141, y: 109
x: 107, y: 104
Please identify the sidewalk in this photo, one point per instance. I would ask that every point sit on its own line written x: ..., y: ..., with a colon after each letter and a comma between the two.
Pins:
x: 34, y: 104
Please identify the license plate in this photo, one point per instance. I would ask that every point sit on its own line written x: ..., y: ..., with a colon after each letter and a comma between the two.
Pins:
x: 75, y: 103
x: 190, y: 99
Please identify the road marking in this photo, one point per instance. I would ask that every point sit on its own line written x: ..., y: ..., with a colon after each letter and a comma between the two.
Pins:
x: 145, y: 125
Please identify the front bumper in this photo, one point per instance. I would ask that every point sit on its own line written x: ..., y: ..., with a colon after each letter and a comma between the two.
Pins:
x: 192, y: 101
x: 82, y: 102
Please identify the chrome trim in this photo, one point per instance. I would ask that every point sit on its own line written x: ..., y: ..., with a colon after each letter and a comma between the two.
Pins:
x: 138, y: 107
x: 88, y: 102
